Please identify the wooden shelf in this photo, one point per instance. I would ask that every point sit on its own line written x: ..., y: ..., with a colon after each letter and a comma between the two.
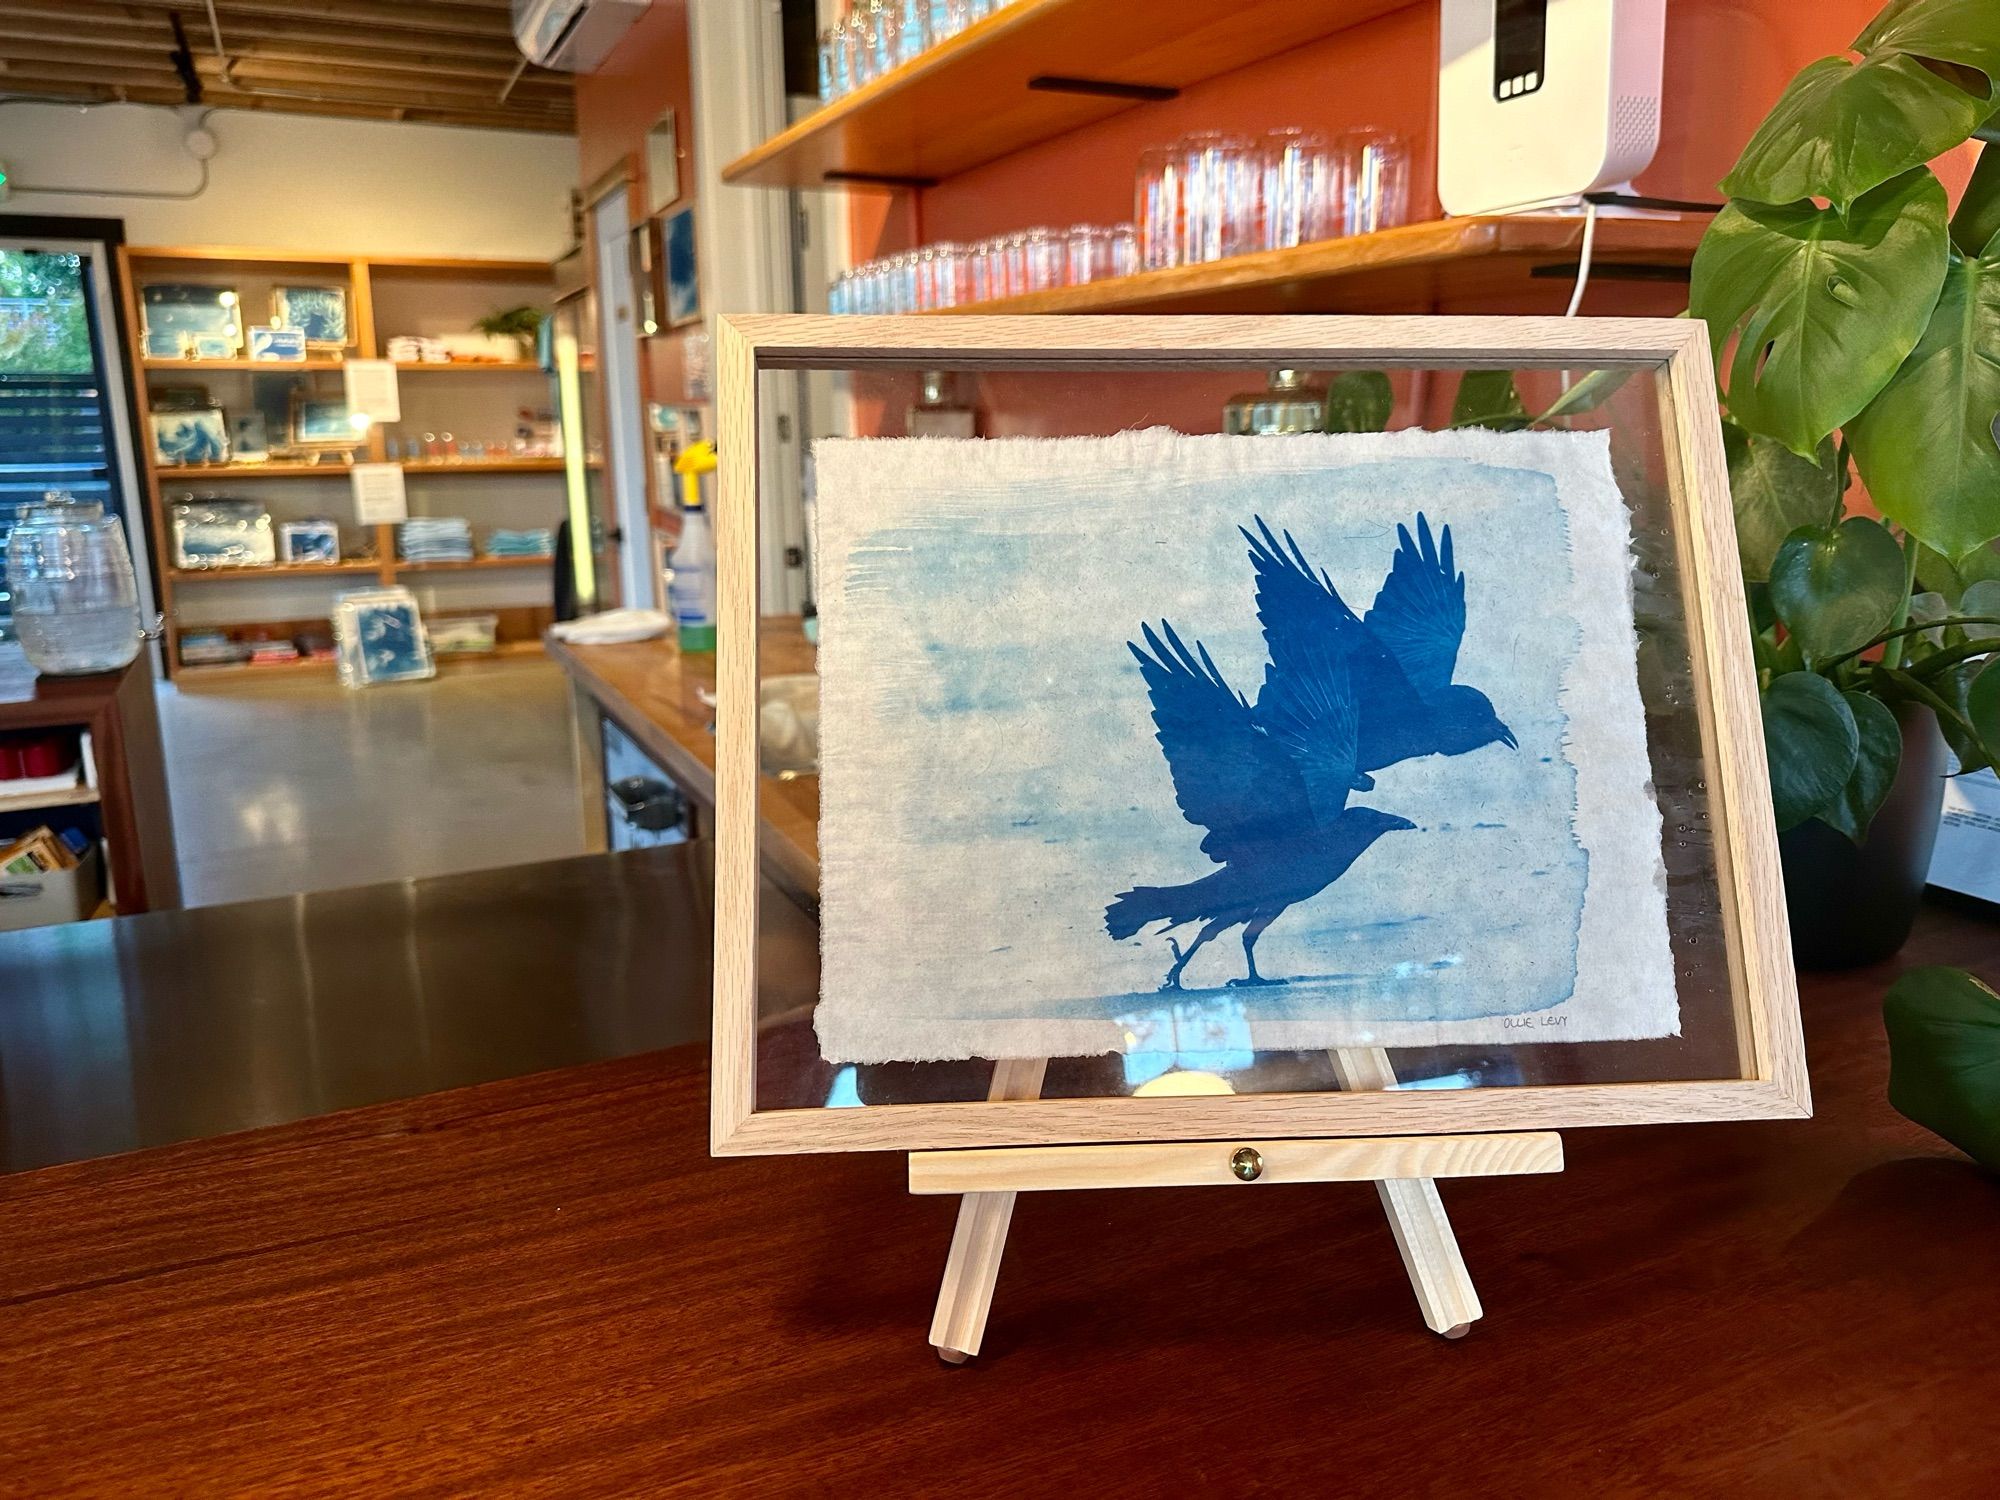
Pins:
x: 1405, y: 269
x: 506, y: 651
x: 73, y: 796
x: 461, y: 366
x: 262, y: 366
x: 275, y: 570
x: 477, y: 565
x: 972, y: 99
x: 337, y: 469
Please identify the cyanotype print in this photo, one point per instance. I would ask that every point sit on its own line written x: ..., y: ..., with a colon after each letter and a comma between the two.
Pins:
x: 1335, y: 740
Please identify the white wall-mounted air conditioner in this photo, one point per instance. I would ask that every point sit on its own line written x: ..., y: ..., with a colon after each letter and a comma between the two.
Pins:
x: 572, y: 35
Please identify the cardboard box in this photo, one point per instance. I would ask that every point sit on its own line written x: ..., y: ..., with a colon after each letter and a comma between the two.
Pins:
x: 52, y: 896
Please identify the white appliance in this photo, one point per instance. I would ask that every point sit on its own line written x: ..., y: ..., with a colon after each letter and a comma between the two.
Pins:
x: 572, y: 35
x: 1542, y: 101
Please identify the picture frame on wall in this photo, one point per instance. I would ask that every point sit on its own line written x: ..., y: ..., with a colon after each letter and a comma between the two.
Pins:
x: 1610, y: 759
x: 649, y: 286
x: 663, y: 165
x: 319, y: 312
x: 681, y: 266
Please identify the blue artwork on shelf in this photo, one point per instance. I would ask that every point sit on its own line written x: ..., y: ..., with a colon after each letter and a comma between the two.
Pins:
x: 190, y: 437
x: 1429, y: 818
x: 1341, y: 696
x: 174, y: 314
x: 318, y: 312
x: 278, y: 345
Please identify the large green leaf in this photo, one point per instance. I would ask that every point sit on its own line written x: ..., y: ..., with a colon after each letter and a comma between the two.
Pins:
x: 1978, y: 217
x: 1954, y: 686
x: 1966, y: 32
x: 1925, y: 445
x: 1812, y: 744
x: 1982, y: 703
x: 1359, y: 401
x: 1489, y: 398
x: 1880, y: 753
x: 1825, y: 308
x: 1944, y: 1058
x: 1775, y: 493
x: 1841, y: 128
x: 1837, y: 588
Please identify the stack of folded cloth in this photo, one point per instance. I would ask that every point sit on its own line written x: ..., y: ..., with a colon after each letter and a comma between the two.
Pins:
x: 412, y: 349
x: 435, y: 539
x: 536, y: 541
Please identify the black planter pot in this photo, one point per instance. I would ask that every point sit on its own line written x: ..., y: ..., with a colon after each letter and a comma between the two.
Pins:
x: 1852, y: 906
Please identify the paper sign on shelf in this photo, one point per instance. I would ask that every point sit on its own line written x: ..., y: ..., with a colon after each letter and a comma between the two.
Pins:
x: 379, y: 495
x: 372, y: 390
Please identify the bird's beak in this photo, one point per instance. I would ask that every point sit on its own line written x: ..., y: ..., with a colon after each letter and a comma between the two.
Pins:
x: 1507, y: 738
x: 1398, y: 825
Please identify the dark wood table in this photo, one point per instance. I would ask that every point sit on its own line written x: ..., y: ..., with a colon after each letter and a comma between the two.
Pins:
x: 545, y: 1285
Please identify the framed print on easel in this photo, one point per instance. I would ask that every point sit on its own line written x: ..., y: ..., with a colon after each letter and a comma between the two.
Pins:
x: 1197, y: 808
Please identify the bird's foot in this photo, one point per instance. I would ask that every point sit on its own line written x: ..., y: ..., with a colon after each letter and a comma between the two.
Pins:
x: 1171, y: 985
x: 1251, y: 981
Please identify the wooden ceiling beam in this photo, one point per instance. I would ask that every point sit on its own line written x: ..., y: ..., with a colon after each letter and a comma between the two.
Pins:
x: 282, y: 62
x: 487, y: 119
x: 376, y: 15
x: 53, y: 21
x: 247, y: 73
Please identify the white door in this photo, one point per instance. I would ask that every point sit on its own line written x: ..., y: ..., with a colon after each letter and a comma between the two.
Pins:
x: 624, y: 421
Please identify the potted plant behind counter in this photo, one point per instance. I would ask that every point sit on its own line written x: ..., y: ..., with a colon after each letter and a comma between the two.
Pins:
x: 1856, y: 326
x: 1855, y: 337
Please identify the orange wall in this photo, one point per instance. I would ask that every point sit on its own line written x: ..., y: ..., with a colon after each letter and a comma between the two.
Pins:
x: 1727, y: 62
x: 645, y: 75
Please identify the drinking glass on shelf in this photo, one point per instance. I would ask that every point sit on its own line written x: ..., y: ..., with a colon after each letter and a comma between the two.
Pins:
x: 827, y: 44
x: 1041, y: 265
x: 1375, y: 181
x: 879, y: 29
x: 1159, y: 205
x: 913, y: 29
x: 1124, y: 249
x: 1301, y: 188
x: 1222, y: 214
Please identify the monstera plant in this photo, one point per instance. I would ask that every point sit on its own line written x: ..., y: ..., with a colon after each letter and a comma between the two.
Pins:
x: 1856, y: 325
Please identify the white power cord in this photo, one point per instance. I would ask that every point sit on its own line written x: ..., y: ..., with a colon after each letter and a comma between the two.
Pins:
x: 1583, y: 258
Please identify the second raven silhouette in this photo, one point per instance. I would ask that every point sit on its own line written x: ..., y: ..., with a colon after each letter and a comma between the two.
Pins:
x: 1403, y: 653
x: 1270, y: 784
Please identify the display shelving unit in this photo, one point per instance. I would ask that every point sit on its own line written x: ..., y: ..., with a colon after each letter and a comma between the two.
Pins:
x: 387, y: 296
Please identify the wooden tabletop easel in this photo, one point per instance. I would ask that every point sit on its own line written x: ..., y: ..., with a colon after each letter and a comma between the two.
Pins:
x: 1404, y: 1170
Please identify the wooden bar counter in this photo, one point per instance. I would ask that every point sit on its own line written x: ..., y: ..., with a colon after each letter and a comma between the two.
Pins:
x: 544, y: 1285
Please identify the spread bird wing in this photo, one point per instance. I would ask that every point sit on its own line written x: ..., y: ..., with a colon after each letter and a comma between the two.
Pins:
x: 1307, y: 706
x: 1301, y: 611
x: 1419, y: 614
x: 1230, y: 777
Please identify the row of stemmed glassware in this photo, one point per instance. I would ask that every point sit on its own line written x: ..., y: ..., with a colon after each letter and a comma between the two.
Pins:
x: 947, y: 274
x: 875, y: 36
x: 1215, y: 193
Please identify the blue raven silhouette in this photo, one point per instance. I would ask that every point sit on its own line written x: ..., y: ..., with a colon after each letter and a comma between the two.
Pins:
x: 1270, y: 784
x: 1403, y: 653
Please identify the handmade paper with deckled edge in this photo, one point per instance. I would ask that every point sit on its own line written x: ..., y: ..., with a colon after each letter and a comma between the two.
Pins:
x: 991, y: 778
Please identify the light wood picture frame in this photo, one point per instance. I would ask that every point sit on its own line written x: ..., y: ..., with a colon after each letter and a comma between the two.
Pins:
x: 1772, y: 1081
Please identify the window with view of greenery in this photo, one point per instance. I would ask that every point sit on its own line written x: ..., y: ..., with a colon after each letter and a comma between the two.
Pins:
x: 44, y: 327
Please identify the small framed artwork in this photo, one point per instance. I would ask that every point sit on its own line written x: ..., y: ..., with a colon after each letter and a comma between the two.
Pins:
x: 379, y: 637
x: 169, y: 308
x: 318, y: 312
x: 1183, y: 786
x: 278, y: 345
x: 183, y: 438
x: 249, y: 437
x: 213, y: 346
x: 682, y: 271
x: 166, y: 343
x: 309, y: 542
x: 321, y: 422
x: 663, y: 165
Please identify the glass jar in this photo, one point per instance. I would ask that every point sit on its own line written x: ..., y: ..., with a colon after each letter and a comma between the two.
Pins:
x: 76, y: 605
x: 1291, y: 403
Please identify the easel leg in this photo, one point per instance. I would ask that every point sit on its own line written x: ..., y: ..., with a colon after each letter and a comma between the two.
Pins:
x: 1417, y: 1218
x: 980, y: 1239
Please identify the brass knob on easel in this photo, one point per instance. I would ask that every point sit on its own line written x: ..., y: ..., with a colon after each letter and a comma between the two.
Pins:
x: 1247, y: 1163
